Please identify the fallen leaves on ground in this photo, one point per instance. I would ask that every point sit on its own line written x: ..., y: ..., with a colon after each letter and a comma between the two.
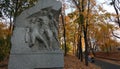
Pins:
x: 4, y: 64
x: 72, y: 62
x: 111, y: 55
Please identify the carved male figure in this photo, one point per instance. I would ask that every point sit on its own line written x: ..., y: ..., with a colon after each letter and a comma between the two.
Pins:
x: 39, y: 27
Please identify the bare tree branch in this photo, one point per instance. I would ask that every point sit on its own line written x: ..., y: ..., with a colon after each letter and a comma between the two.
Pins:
x: 115, y: 35
x: 116, y: 10
x: 77, y: 4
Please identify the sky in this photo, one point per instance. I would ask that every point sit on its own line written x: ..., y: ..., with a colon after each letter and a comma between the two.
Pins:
x: 106, y: 5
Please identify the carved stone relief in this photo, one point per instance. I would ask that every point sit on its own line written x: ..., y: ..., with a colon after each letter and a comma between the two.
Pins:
x: 42, y: 31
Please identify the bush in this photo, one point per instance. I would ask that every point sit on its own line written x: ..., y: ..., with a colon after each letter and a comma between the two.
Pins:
x: 69, y: 48
x: 4, y: 48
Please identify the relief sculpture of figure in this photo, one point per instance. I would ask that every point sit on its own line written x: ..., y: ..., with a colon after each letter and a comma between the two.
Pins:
x: 37, y: 30
x: 40, y: 27
x: 53, y: 27
x: 43, y: 29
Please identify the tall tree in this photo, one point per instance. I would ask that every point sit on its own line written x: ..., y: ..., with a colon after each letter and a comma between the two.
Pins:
x: 12, y: 8
x: 81, y: 5
x: 80, y: 22
x: 63, y: 17
x: 64, y: 34
x: 116, y: 5
x: 4, y: 41
x: 85, y: 27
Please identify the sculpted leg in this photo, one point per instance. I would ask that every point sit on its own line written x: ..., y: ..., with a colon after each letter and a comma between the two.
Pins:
x: 33, y: 37
x: 49, y: 36
x: 44, y: 42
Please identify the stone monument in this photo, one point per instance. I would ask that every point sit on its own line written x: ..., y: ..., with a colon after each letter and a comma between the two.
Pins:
x: 34, y: 41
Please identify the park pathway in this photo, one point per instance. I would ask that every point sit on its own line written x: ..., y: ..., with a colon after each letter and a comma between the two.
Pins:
x: 106, y: 65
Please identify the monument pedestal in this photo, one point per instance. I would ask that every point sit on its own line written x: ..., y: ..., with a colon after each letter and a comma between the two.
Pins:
x: 39, y: 60
x: 24, y: 57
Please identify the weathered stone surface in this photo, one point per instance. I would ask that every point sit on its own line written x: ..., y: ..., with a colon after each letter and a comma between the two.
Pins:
x: 36, y: 60
x: 34, y: 40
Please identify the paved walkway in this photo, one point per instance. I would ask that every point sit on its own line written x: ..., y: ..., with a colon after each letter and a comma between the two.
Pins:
x: 104, y: 64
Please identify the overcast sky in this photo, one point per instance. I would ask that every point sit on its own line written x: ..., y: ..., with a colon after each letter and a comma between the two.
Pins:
x: 106, y: 5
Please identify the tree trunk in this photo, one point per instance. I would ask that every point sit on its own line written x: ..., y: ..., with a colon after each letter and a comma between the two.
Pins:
x: 117, y: 11
x: 80, y: 50
x: 74, y: 45
x: 11, y: 23
x: 86, y: 48
x: 85, y: 27
x: 64, y: 35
